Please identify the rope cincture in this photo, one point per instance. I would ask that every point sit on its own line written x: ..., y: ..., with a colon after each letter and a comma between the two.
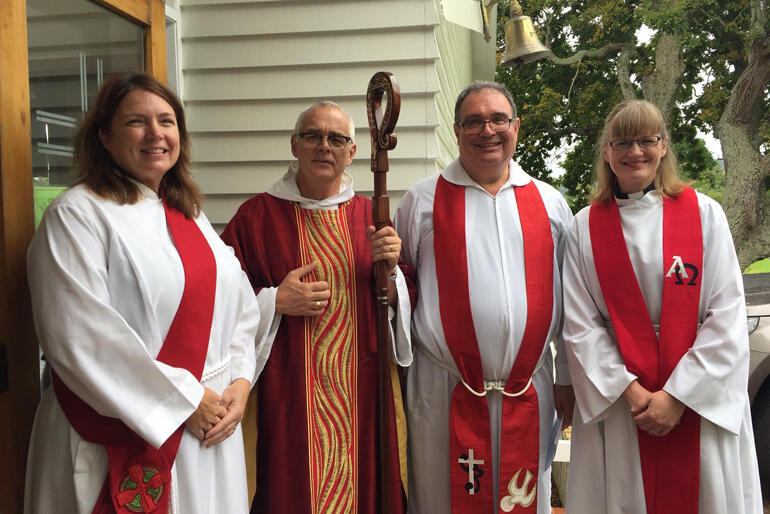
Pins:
x: 495, y: 384
x: 218, y: 369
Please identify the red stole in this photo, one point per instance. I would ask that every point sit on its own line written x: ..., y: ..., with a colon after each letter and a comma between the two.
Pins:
x: 140, y: 475
x: 471, y: 462
x: 670, y: 464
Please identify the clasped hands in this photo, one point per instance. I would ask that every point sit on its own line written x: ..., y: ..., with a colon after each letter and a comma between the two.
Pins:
x: 656, y: 413
x: 298, y: 297
x: 217, y: 416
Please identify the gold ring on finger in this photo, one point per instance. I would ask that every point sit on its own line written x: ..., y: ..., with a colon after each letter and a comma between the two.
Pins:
x: 317, y: 304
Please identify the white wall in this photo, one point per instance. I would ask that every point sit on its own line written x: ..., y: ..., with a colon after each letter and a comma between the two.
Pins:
x: 250, y: 67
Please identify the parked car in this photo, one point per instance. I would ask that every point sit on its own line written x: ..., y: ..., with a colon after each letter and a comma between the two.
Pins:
x: 757, y: 289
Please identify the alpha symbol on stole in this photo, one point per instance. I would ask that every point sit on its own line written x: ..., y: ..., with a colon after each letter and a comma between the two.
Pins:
x: 679, y: 269
x: 519, y: 495
x: 469, y: 464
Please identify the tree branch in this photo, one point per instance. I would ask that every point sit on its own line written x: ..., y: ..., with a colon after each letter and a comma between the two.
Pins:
x: 577, y: 71
x: 758, y: 15
x: 708, y: 16
x: 661, y: 86
x: 581, y: 54
x: 624, y: 73
x: 744, y: 98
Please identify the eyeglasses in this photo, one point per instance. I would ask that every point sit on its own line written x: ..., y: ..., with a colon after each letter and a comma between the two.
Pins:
x: 623, y: 145
x: 476, y: 125
x: 313, y: 140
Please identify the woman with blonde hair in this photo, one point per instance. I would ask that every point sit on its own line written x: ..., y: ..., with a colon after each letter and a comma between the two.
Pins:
x: 148, y: 323
x: 656, y: 338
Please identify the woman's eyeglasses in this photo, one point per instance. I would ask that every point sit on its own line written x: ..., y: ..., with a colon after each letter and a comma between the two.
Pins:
x: 623, y: 145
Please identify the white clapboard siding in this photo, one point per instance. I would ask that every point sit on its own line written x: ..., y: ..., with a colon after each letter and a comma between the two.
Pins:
x: 251, y: 66
x: 464, y: 57
x: 223, y: 18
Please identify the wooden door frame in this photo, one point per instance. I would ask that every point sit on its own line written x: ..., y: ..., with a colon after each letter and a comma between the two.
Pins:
x: 150, y: 14
x: 18, y: 404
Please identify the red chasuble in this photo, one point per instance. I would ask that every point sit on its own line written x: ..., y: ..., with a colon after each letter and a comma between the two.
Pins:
x: 317, y: 396
x: 139, y: 475
x: 670, y: 464
x: 470, y: 446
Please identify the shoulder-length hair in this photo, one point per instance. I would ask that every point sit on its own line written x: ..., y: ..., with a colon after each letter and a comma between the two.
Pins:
x: 632, y: 118
x: 99, y: 172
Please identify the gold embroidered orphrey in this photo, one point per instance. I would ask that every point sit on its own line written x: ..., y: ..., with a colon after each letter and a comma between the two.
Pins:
x: 331, y: 372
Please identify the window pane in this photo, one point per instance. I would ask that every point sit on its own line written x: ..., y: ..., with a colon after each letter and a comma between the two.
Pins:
x: 73, y: 46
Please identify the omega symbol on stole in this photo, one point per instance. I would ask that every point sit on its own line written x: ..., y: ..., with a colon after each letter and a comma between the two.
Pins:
x: 679, y: 270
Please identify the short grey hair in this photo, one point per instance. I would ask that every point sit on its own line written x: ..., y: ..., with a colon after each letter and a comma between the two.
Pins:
x: 478, y: 86
x: 325, y: 103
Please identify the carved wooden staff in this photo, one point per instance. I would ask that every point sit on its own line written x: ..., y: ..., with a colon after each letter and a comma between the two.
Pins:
x: 382, y: 84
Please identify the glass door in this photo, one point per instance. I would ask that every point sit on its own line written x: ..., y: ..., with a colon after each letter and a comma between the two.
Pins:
x: 72, y: 45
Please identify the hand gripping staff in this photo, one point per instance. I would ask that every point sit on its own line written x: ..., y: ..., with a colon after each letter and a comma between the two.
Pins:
x: 383, y: 85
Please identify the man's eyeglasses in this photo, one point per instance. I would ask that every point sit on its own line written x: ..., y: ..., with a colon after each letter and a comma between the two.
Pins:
x: 623, y: 145
x: 313, y: 140
x: 476, y: 125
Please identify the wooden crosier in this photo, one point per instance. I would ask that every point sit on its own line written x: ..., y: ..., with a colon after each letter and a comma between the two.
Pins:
x: 382, y: 85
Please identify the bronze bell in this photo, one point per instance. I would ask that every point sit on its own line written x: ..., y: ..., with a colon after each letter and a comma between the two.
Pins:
x: 521, y: 42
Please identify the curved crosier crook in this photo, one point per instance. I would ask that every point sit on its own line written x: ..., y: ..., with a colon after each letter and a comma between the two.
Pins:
x: 382, y: 125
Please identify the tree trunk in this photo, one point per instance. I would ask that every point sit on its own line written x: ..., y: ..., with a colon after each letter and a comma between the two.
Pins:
x: 745, y: 200
x: 661, y: 86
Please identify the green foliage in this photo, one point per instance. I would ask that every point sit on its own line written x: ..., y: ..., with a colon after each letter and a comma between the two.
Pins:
x: 693, y: 156
x: 564, y: 106
x: 579, y: 173
x: 696, y: 163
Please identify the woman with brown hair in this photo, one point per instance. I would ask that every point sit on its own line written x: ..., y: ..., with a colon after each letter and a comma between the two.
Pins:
x: 655, y: 331
x: 147, y: 320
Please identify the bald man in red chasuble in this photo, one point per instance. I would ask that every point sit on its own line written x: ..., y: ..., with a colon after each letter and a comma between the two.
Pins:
x: 309, y: 243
